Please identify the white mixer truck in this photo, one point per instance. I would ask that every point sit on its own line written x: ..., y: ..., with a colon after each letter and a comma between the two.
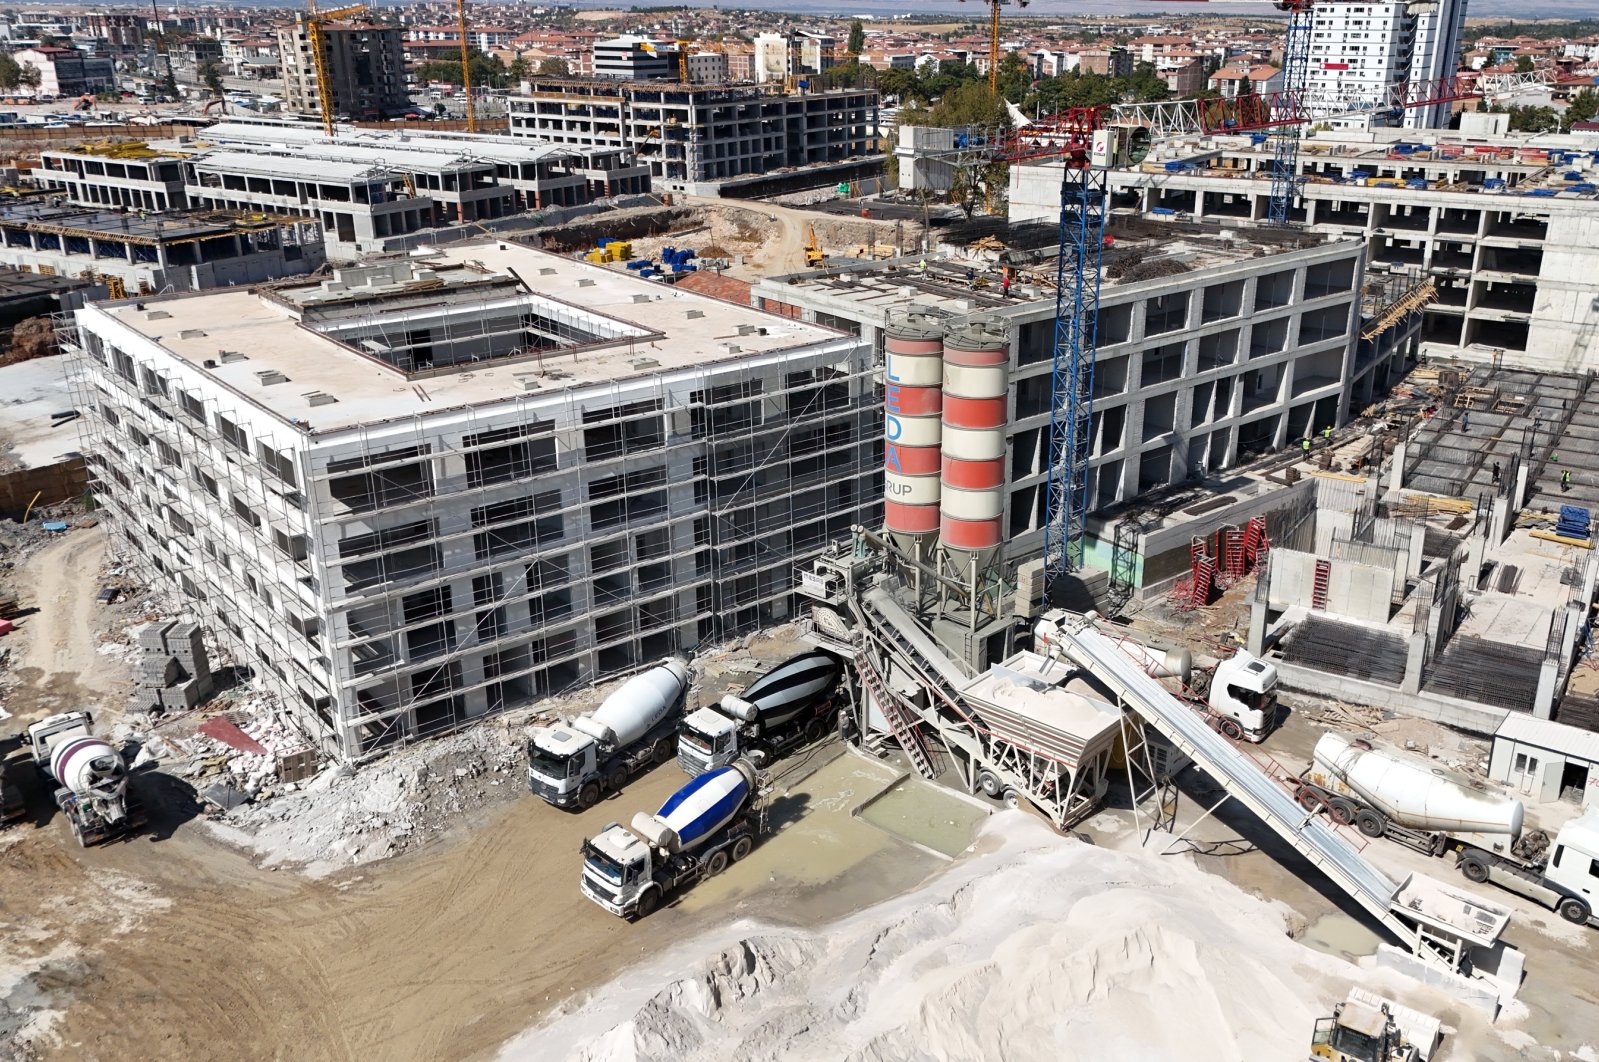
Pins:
x: 1240, y: 701
x: 1387, y: 793
x: 573, y: 764
x: 706, y: 825
x: 785, y: 707
x: 90, y: 775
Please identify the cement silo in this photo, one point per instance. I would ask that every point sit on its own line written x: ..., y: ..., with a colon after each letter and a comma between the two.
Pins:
x: 975, y: 414
x: 912, y: 429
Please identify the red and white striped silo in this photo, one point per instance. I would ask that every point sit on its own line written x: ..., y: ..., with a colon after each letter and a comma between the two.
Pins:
x: 913, y: 378
x: 975, y: 415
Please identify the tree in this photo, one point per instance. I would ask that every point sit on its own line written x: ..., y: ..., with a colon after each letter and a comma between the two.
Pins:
x: 1534, y: 120
x: 487, y: 71
x: 519, y: 70
x: 1523, y: 64
x: 1584, y: 106
x: 1015, y: 78
x: 211, y: 78
x: 857, y: 38
x: 30, y: 76
x: 10, y: 72
x: 553, y: 67
x: 971, y: 104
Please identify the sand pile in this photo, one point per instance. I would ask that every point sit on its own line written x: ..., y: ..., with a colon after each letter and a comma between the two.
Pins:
x: 1042, y: 948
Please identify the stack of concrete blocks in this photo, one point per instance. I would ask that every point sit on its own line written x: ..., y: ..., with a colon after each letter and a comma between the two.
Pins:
x: 174, y: 674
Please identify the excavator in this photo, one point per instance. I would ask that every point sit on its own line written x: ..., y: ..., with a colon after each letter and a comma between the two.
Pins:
x: 815, y: 257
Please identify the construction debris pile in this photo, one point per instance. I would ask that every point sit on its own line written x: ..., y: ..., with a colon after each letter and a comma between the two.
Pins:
x: 1041, y: 948
x: 342, y: 818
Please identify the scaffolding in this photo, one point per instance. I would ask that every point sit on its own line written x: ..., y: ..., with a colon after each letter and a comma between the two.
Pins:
x: 596, y: 530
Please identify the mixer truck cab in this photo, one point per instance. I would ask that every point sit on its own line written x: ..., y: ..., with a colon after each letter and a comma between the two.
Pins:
x: 1243, y: 691
x: 1567, y: 884
x: 573, y: 764
x: 789, y: 705
x: 707, y: 824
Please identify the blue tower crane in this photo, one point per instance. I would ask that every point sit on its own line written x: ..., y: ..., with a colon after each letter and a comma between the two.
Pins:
x: 1291, y: 114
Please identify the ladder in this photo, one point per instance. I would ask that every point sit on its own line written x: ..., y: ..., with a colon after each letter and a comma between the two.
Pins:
x: 1318, y: 592
x: 904, y: 728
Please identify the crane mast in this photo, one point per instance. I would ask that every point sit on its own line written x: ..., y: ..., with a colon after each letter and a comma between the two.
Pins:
x: 466, y: 65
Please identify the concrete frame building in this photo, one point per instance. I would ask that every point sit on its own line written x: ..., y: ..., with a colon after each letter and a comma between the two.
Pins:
x: 187, y: 252
x: 369, y: 188
x: 1508, y: 229
x: 705, y: 139
x: 366, y: 68
x: 1359, y: 50
x: 634, y: 58
x: 427, y: 490
x: 1240, y: 348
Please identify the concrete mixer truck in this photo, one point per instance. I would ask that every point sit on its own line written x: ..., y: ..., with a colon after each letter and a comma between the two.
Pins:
x: 1387, y: 793
x: 90, y: 775
x: 789, y: 705
x: 706, y: 825
x: 1239, y: 701
x: 573, y: 764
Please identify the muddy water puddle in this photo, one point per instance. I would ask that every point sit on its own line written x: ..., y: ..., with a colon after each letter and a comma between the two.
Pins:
x: 926, y: 815
x: 1338, y: 934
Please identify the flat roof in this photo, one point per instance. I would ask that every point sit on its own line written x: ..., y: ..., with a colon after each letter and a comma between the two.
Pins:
x: 298, y: 167
x: 1548, y: 734
x: 399, y: 145
x: 680, y: 330
x: 154, y: 228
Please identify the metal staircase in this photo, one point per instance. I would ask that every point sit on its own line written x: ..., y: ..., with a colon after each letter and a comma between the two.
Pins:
x: 900, y: 722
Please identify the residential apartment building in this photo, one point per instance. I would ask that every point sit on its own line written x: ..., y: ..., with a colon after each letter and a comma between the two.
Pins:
x: 365, y: 63
x: 1211, y: 349
x: 420, y: 492
x: 68, y: 72
x: 1358, y: 50
x: 634, y: 58
x: 702, y: 138
x: 1506, y: 227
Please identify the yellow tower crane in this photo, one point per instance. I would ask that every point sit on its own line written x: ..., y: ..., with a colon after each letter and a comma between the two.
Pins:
x: 993, y: 39
x: 314, y: 21
x: 466, y: 65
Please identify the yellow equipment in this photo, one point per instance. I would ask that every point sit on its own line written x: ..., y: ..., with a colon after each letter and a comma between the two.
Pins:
x: 682, y: 56
x: 814, y: 258
x: 314, y: 21
x: 466, y: 65
x: 1360, y: 1032
x: 993, y: 40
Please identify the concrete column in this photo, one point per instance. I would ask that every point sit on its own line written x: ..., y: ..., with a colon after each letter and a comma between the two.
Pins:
x: 1257, y: 628
x: 1414, y: 659
x: 1396, y: 470
x: 1543, y: 702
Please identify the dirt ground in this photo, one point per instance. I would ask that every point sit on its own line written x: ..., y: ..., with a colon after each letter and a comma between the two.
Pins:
x: 54, y: 660
x: 772, y: 237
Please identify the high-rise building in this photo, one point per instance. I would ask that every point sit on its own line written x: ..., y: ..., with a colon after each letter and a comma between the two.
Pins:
x: 1358, y: 50
x: 365, y: 64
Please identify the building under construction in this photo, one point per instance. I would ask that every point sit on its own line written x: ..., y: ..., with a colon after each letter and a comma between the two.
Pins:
x: 1214, y: 347
x: 430, y: 489
x: 136, y: 255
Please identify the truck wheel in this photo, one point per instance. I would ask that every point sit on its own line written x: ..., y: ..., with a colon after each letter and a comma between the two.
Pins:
x: 616, y: 780
x: 664, y: 750
x: 1309, y: 799
x: 589, y: 795
x: 1370, y: 823
x: 815, y: 730
x: 742, y: 848
x: 1012, y: 799
x: 1230, y: 729
x: 1474, y: 869
x: 649, y: 902
x: 1574, y: 910
x: 716, y: 864
x: 1341, y: 811
x: 988, y: 784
